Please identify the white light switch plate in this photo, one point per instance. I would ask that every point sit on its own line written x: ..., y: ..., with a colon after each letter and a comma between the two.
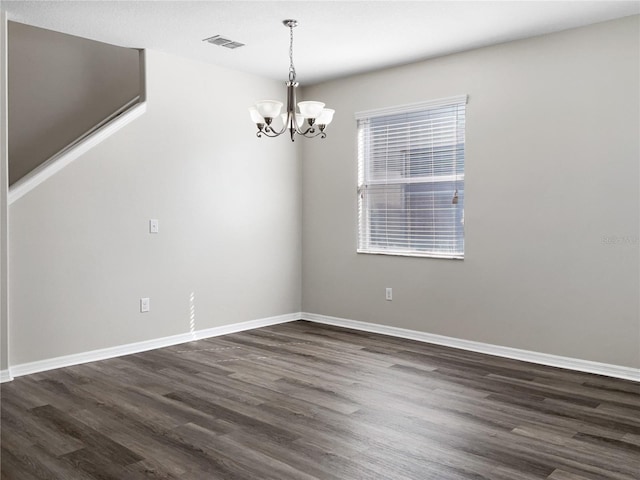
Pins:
x: 145, y: 305
x: 153, y: 225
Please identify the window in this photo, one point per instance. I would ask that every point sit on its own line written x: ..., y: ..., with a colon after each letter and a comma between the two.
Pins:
x: 411, y: 179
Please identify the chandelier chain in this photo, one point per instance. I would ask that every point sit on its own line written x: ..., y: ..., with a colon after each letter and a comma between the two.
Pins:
x: 292, y: 69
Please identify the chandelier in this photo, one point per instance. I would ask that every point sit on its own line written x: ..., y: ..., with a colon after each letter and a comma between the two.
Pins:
x: 310, y: 121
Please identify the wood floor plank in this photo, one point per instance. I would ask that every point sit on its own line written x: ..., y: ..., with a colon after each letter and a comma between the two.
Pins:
x: 302, y: 401
x: 562, y: 475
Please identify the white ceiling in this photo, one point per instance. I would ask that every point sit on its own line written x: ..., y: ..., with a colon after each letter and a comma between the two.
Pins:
x: 333, y: 39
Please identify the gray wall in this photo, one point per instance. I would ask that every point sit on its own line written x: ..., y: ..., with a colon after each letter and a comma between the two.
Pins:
x: 229, y: 210
x: 551, y: 193
x: 60, y: 86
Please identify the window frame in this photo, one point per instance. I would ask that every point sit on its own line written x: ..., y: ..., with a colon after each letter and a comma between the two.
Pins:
x: 460, y: 101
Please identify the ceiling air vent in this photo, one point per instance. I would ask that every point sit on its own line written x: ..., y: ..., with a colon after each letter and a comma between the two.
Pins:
x: 223, y: 42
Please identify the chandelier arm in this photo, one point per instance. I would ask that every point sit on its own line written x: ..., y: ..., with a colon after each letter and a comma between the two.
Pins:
x: 269, y: 133
x: 281, y: 131
x: 292, y: 124
x: 319, y: 134
x: 311, y: 133
x: 309, y: 130
x: 268, y: 130
x: 300, y: 131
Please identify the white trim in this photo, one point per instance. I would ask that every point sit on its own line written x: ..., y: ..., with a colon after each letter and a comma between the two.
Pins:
x: 143, y: 74
x: 128, y: 349
x: 616, y: 371
x: 4, y: 196
x: 5, y: 376
x: 398, y: 253
x: 411, y: 107
x: 587, y: 366
x: 58, y: 162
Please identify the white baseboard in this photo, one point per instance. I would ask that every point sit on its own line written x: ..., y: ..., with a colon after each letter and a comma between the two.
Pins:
x: 128, y: 349
x: 617, y: 371
x: 569, y: 363
x: 5, y: 376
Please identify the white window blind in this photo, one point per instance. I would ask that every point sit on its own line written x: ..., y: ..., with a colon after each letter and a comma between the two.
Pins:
x: 410, y: 170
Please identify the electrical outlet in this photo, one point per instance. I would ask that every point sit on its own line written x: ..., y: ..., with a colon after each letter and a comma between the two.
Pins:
x: 389, y: 294
x: 145, y: 305
x: 153, y: 225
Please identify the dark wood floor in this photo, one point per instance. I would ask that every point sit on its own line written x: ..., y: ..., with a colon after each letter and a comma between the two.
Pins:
x: 305, y: 401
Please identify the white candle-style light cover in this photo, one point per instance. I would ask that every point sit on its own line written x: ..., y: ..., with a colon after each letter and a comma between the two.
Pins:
x: 310, y: 121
